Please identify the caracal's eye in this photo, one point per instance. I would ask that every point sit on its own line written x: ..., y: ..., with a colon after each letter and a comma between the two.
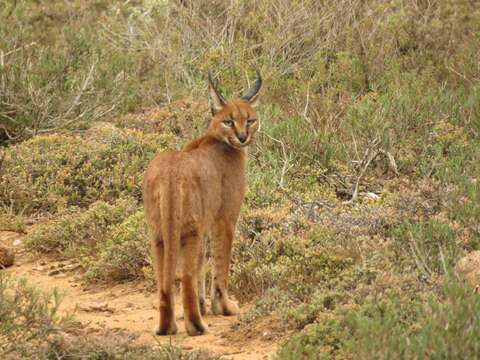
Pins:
x: 250, y: 122
x: 228, y: 123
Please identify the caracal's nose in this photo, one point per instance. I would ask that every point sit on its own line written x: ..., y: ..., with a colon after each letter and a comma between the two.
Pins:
x: 242, y: 137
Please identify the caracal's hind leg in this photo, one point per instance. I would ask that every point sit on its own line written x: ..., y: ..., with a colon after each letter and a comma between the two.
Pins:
x: 201, y: 279
x: 165, y: 269
x: 190, y: 285
x: 222, y: 251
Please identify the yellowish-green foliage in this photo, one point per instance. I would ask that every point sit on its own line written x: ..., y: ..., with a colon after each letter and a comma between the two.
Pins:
x: 124, y: 254
x: 78, y: 231
x: 396, y: 328
x: 50, y: 173
x: 27, y: 314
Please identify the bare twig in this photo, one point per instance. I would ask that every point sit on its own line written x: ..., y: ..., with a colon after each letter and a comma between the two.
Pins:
x: 2, y: 158
x: 421, y: 263
x: 10, y: 137
x: 370, y: 154
x: 391, y: 161
x: 85, y: 84
x: 23, y: 47
x: 305, y: 111
x: 442, y: 258
x: 460, y: 74
x: 285, y: 166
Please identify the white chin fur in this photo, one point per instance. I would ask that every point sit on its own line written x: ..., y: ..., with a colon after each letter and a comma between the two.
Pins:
x: 237, y: 144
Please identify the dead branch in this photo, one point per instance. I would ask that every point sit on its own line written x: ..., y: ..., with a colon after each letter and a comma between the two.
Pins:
x: 285, y: 166
x: 305, y: 111
x: 85, y: 84
x: 2, y: 158
x: 370, y: 154
x: 419, y: 259
x: 391, y: 161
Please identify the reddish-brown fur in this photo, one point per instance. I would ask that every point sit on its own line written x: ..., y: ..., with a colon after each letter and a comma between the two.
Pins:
x: 194, y: 192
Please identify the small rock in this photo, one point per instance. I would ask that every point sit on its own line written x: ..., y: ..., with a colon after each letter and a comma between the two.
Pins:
x: 72, y: 267
x: 17, y: 242
x: 101, y: 307
x: 7, y: 257
x: 469, y: 267
x: 187, y: 347
x: 54, y: 272
x: 372, y: 196
x: 39, y: 268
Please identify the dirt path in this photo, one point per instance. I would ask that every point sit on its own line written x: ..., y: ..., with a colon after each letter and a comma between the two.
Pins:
x: 132, y: 308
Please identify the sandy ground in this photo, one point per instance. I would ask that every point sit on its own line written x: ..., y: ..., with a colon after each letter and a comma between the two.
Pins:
x: 133, y: 308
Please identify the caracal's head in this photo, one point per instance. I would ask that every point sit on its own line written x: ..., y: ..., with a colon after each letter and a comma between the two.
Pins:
x: 234, y: 122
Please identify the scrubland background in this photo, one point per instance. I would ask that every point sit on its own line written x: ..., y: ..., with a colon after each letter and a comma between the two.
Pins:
x: 382, y: 97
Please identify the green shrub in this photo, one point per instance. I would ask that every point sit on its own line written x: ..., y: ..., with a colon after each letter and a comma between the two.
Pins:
x: 12, y: 222
x: 322, y: 341
x: 32, y: 328
x: 431, y: 246
x: 442, y: 328
x: 439, y: 329
x: 290, y: 263
x: 51, y: 173
x: 29, y: 318
x: 79, y: 232
x: 117, y: 346
x: 124, y: 253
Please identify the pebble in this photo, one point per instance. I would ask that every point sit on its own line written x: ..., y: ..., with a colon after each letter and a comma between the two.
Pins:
x: 372, y: 196
x: 17, y: 242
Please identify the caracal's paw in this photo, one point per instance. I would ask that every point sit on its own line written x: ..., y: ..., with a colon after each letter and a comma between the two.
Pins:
x: 167, y: 329
x: 224, y: 306
x: 195, y: 328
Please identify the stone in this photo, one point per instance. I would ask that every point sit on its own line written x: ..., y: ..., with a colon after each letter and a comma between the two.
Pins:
x: 469, y: 268
x: 7, y: 257
x: 17, y: 242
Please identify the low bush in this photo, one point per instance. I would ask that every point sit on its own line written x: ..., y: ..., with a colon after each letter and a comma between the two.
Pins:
x: 31, y: 327
x: 50, y: 173
x: 79, y: 232
x: 29, y: 318
x: 109, y: 240
x: 284, y: 261
x: 116, y: 346
x: 124, y: 254
x: 431, y: 247
x: 442, y: 328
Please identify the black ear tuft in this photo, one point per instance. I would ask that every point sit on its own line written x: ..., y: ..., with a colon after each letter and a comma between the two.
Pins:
x: 251, y: 94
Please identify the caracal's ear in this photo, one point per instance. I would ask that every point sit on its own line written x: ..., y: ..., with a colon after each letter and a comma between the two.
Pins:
x: 217, y: 101
x: 251, y: 95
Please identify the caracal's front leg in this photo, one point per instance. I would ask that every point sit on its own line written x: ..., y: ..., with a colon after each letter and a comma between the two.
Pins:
x: 222, y: 249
